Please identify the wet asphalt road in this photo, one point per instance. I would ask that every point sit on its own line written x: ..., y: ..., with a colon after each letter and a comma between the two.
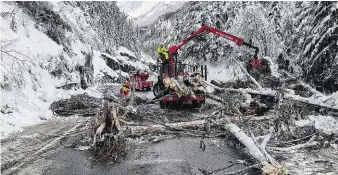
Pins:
x: 173, y: 156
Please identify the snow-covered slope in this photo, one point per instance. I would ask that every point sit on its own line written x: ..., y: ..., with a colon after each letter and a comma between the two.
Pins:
x: 302, y: 33
x: 147, y: 12
x: 33, y: 65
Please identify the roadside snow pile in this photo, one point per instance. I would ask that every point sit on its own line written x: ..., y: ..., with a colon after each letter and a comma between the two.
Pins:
x: 325, y: 124
x: 26, y: 84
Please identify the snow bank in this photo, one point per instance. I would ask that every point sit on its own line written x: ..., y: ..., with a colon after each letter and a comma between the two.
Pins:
x: 325, y: 124
x: 126, y: 56
x: 123, y: 56
x: 147, y: 59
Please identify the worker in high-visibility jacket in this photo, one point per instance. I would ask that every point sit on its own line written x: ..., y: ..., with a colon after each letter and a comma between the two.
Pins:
x: 163, y: 53
x: 125, y: 89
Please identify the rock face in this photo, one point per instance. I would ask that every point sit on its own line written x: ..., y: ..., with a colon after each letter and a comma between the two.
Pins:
x: 87, y: 71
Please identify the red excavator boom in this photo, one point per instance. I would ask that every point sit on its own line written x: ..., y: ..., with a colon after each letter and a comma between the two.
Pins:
x: 204, y: 30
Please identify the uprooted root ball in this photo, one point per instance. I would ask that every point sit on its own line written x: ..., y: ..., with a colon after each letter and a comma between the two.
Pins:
x: 112, y: 148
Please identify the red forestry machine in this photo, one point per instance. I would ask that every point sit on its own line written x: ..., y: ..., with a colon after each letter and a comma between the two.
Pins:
x: 139, y: 80
x: 176, y: 68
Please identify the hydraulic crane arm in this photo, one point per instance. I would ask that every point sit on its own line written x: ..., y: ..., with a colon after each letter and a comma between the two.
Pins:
x: 201, y: 31
x: 206, y: 29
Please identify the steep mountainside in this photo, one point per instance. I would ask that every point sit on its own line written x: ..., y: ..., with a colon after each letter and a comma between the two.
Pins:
x: 146, y: 12
x: 50, y: 50
x: 302, y: 32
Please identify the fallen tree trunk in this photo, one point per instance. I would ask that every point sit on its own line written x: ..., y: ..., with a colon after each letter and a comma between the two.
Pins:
x: 247, y: 142
x: 273, y: 93
x: 162, y: 128
x: 270, y: 166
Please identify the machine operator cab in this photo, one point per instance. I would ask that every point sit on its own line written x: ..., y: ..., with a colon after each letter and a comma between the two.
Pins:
x: 182, y: 69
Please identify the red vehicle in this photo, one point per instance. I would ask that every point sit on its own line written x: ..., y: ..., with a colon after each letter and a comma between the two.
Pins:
x: 173, y: 68
x: 139, y: 80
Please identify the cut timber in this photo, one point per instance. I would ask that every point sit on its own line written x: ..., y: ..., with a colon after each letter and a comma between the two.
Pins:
x: 263, y: 145
x: 308, y: 101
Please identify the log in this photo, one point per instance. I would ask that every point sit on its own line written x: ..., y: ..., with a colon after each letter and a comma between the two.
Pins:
x: 98, y: 133
x: 247, y: 142
x: 162, y: 128
x: 179, y: 126
x: 269, y: 165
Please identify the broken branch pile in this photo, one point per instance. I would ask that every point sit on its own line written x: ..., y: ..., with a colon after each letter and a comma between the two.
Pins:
x: 275, y: 95
x: 82, y: 104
